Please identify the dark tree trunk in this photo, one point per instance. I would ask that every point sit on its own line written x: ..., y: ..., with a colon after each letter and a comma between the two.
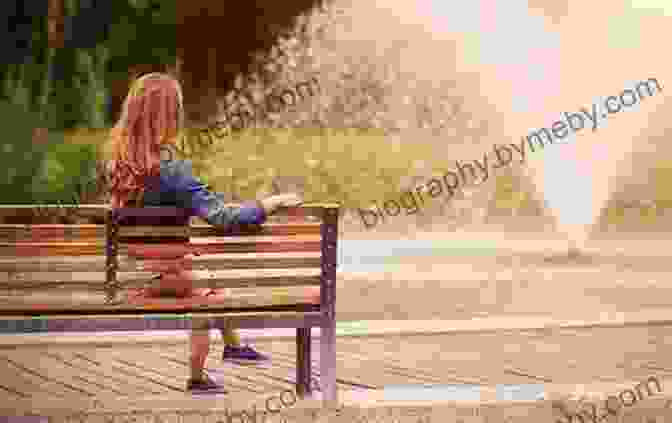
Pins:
x: 216, y: 41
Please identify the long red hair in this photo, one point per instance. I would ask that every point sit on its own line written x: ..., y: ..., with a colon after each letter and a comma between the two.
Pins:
x: 152, y: 115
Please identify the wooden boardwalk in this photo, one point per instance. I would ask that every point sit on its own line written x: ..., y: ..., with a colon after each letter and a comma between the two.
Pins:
x: 118, y: 377
x: 123, y: 377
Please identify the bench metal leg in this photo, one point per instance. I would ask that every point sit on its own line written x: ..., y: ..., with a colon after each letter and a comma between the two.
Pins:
x: 303, y: 362
x: 328, y: 308
x: 328, y: 362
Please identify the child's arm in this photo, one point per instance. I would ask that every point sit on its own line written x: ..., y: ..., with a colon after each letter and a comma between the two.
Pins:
x: 211, y: 207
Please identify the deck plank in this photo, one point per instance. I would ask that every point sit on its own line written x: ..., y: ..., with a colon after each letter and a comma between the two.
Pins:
x: 113, y: 382
x: 353, y: 371
x: 174, y: 368
x: 133, y: 363
x: 271, y: 373
x: 28, y: 364
x: 28, y: 384
x: 57, y: 370
x: 180, y: 358
x: 91, y: 359
x: 273, y: 377
x: 351, y: 346
x: 286, y: 370
x: 286, y: 357
x: 483, y: 366
x: 390, y: 352
x: 10, y: 394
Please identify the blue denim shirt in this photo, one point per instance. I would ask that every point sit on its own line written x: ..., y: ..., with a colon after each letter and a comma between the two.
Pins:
x: 177, y: 187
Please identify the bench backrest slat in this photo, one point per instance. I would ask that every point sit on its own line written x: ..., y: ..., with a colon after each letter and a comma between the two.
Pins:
x: 269, y: 229
x: 51, y: 233
x: 159, y: 243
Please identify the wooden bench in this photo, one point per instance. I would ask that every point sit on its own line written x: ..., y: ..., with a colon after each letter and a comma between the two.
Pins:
x: 83, y: 277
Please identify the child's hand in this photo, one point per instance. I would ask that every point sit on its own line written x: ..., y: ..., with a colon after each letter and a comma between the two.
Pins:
x: 273, y: 203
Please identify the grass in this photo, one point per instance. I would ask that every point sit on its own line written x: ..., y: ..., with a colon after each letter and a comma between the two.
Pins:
x: 348, y: 166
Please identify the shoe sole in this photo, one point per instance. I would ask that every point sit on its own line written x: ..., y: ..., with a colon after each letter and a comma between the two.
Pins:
x: 207, y: 391
x: 241, y: 362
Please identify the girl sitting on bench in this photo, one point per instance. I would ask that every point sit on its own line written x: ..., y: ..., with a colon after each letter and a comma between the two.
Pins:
x: 143, y: 168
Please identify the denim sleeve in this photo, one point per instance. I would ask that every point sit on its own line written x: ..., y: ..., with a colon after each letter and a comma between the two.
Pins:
x: 211, y: 206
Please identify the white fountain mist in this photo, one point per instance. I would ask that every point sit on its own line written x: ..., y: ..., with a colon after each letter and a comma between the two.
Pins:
x: 519, y: 58
x: 577, y: 176
x: 543, y: 67
x: 404, y: 76
x: 434, y: 70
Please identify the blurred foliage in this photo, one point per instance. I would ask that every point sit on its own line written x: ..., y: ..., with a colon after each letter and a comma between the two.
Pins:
x: 25, y: 58
x: 69, y: 87
x: 21, y: 158
x: 509, y: 196
x: 350, y: 166
x: 662, y: 191
x: 44, y: 169
x: 141, y: 32
x: 68, y: 173
x: 219, y: 40
x: 78, y: 99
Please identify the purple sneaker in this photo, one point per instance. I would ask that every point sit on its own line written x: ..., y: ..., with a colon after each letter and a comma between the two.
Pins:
x: 243, y: 355
x: 205, y: 385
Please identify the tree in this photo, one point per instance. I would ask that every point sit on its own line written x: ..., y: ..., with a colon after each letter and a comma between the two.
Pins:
x: 218, y: 40
x: 21, y: 159
x: 63, y: 55
x: 83, y: 50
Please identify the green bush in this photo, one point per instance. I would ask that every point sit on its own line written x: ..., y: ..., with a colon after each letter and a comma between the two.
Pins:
x: 20, y: 157
x: 67, y: 173
x: 349, y: 166
x: 47, y: 170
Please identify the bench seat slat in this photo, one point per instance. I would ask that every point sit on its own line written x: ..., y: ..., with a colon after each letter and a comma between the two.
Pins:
x: 277, y: 247
x: 231, y: 261
x: 206, y: 246
x: 76, y: 302
x: 97, y: 248
x: 233, y: 314
x: 201, y: 278
x: 133, y: 322
x: 55, y: 264
x: 52, y: 249
x: 131, y: 264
